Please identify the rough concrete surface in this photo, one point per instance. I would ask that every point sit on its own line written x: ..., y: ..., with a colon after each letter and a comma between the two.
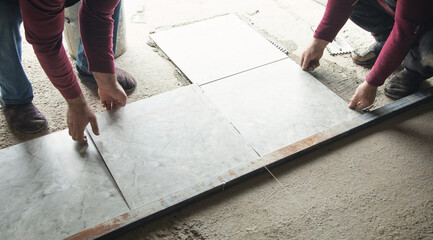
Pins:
x: 376, y: 184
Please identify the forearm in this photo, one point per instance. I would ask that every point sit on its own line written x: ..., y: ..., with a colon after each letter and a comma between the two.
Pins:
x: 407, y: 29
x: 43, y: 22
x: 96, y: 29
x: 336, y: 15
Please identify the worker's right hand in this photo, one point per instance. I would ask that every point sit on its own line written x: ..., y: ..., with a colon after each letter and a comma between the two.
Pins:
x: 111, y: 94
x: 78, y: 117
x: 311, y: 56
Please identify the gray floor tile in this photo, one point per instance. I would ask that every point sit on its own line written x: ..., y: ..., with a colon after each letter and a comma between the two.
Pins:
x: 212, y: 49
x: 276, y: 105
x: 167, y: 143
x: 52, y: 188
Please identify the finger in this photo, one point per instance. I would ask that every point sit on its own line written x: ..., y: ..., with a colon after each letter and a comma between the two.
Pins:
x: 83, y: 137
x: 103, y: 104
x: 72, y: 132
x: 302, y: 60
x: 305, y: 64
x: 95, y: 127
x: 74, y: 135
x: 79, y: 137
x: 115, y: 104
x: 107, y: 105
x: 353, y: 102
x: 122, y: 100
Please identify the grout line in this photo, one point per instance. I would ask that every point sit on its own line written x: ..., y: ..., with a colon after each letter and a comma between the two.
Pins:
x: 247, y: 70
x: 114, y: 180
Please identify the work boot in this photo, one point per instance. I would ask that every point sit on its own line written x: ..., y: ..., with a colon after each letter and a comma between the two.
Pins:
x: 125, y: 79
x: 404, y: 83
x: 25, y: 118
x: 368, y: 57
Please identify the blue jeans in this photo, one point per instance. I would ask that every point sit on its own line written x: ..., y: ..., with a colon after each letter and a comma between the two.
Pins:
x: 81, y: 56
x: 15, y: 87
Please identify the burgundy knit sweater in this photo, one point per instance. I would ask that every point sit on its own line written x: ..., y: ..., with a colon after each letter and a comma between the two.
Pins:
x: 410, y: 17
x: 44, y: 22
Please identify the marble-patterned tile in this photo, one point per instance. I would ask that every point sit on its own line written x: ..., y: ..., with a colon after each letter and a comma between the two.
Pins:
x: 215, y: 48
x: 52, y: 188
x: 167, y: 143
x: 277, y: 104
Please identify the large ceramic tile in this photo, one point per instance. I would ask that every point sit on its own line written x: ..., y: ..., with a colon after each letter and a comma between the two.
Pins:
x: 167, y: 143
x: 51, y: 188
x: 212, y: 49
x: 276, y: 105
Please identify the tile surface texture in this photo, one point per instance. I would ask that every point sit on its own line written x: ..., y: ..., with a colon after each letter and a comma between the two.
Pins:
x: 277, y: 104
x: 212, y: 49
x: 167, y: 143
x: 52, y: 188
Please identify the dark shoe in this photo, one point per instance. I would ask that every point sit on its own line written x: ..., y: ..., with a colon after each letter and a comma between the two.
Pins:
x: 25, y: 118
x: 404, y: 83
x: 367, y: 58
x: 125, y: 79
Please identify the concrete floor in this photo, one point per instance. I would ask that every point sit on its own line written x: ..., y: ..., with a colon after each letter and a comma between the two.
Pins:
x: 376, y: 184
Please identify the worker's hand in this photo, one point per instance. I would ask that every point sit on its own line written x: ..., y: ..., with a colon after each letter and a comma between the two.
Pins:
x: 78, y: 116
x: 364, y: 96
x: 311, y: 56
x: 110, y: 92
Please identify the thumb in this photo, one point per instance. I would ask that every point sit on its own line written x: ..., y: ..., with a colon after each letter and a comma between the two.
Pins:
x: 95, y: 127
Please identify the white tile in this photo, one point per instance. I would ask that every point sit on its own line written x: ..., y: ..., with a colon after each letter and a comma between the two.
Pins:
x: 169, y: 142
x: 212, y: 49
x: 278, y: 104
x: 52, y: 188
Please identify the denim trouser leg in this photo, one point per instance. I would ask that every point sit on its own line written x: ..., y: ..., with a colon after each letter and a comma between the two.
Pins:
x: 15, y: 88
x: 81, y: 55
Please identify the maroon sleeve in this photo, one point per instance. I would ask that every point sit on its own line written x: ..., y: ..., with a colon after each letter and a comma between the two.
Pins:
x: 409, y: 18
x: 96, y: 28
x: 336, y: 15
x: 43, y: 22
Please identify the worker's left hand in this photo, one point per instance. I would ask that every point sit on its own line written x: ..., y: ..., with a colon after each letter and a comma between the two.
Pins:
x: 364, y: 96
x: 78, y: 117
x: 110, y: 92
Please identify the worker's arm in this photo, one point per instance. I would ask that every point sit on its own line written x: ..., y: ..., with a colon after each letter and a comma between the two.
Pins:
x: 96, y: 29
x: 336, y: 15
x: 43, y: 22
x: 409, y: 20
x: 408, y: 27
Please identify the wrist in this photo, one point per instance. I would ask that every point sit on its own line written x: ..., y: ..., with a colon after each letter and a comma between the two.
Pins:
x: 105, y: 79
x: 78, y: 101
x: 369, y: 86
x: 319, y: 43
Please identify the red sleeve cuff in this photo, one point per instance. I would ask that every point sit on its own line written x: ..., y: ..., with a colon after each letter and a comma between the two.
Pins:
x: 370, y: 80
